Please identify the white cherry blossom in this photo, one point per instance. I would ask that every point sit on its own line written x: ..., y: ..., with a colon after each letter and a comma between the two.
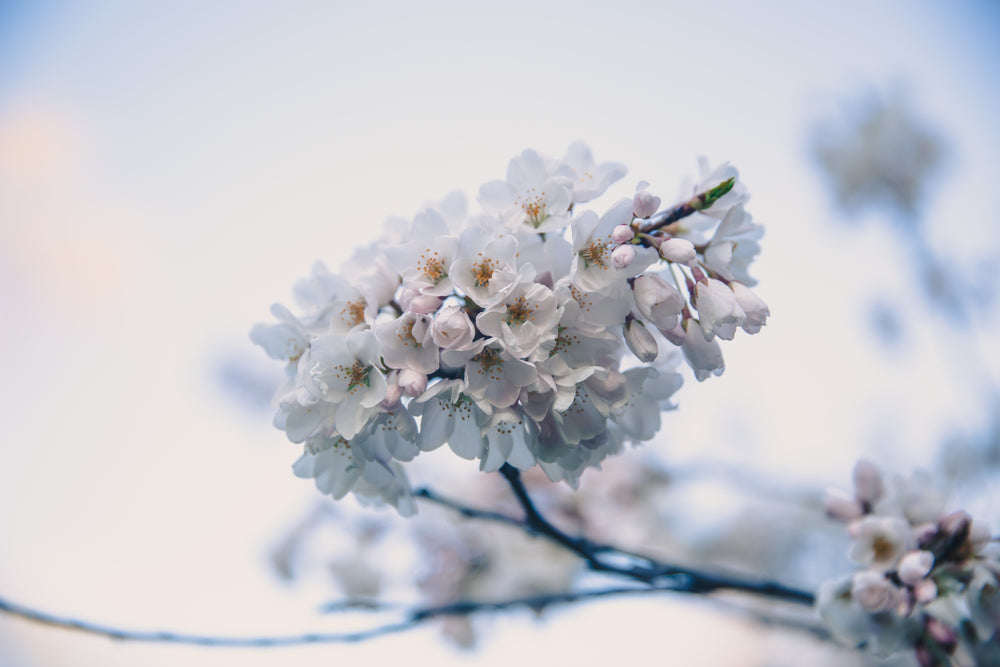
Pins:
x: 495, y: 378
x: 486, y: 266
x: 526, y: 315
x: 424, y: 261
x: 341, y: 370
x: 530, y: 198
x: 504, y: 333
x: 589, y: 179
x: 406, y: 342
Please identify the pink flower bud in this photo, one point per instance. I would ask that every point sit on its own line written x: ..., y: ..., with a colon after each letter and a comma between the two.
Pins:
x: 452, y: 329
x: 675, y: 335
x: 842, y: 508
x: 873, y: 592
x: 622, y: 234
x: 703, y: 356
x: 406, y: 295
x: 679, y: 251
x: 411, y: 382
x: 622, y: 256
x: 914, y: 566
x: 754, y: 307
x: 392, y: 391
x: 640, y: 341
x: 645, y: 204
x: 657, y: 302
x: 925, y: 591
x: 718, y: 310
x: 941, y: 633
x: 424, y: 304
x: 867, y: 482
x: 906, y: 603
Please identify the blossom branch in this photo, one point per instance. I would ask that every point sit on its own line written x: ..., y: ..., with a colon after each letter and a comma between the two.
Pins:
x: 601, y: 557
x: 699, y: 202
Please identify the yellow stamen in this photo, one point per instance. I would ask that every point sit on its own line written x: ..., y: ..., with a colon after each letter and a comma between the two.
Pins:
x: 520, y: 311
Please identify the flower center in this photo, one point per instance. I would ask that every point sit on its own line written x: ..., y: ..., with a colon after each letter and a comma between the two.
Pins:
x: 406, y: 333
x: 354, y: 312
x: 564, y: 341
x: 595, y: 252
x: 582, y: 298
x: 432, y: 267
x: 520, y: 311
x: 489, y: 359
x: 338, y: 445
x: 355, y: 375
x: 883, y: 548
x: 534, y: 207
x: 483, y: 272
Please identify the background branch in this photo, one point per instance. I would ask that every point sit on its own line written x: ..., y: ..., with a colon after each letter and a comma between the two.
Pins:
x: 612, y: 560
x: 413, y: 618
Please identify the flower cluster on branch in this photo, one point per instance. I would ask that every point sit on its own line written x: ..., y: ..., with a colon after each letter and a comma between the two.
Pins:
x: 503, y: 333
x: 931, y: 581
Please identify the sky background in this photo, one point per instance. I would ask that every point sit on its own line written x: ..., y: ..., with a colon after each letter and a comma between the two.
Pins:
x: 168, y: 170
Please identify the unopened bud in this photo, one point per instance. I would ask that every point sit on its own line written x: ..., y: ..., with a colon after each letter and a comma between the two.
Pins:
x: 675, y: 335
x: 406, y: 295
x: 645, y: 204
x: 622, y: 256
x: 754, y: 307
x: 452, y: 329
x: 392, y: 392
x: 411, y: 382
x: 679, y: 251
x: 842, y: 508
x: 622, y: 234
x: 941, y: 633
x: 915, y: 566
x: 868, y: 487
x: 424, y: 304
x: 640, y: 341
x: 925, y: 591
x: 657, y: 302
x: 874, y: 592
x: 703, y: 356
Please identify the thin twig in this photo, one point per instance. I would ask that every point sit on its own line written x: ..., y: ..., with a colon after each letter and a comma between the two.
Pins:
x: 112, y: 632
x: 413, y: 618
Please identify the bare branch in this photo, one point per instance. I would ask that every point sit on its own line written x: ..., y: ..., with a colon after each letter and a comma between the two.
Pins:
x: 606, y: 558
x: 413, y: 618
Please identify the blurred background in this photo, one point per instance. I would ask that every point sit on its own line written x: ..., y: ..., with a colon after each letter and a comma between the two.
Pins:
x: 168, y: 170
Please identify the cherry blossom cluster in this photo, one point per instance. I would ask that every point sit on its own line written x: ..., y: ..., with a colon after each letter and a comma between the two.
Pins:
x: 503, y: 333
x: 931, y: 581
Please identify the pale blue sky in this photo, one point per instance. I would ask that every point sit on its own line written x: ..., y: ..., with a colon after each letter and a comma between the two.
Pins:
x: 167, y: 170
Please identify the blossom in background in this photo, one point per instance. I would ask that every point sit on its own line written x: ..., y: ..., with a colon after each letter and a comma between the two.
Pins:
x: 882, y: 155
x: 931, y: 577
x: 505, y: 335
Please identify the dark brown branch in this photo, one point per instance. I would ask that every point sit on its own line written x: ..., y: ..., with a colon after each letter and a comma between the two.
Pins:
x: 606, y: 558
